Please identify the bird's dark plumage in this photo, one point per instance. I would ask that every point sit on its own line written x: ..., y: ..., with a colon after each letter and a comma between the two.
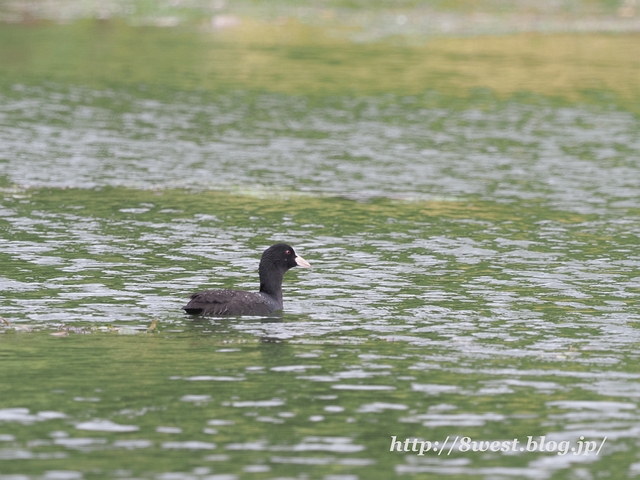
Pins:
x: 275, y: 262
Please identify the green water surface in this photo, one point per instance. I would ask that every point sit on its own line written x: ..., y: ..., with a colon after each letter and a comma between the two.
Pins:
x: 468, y: 204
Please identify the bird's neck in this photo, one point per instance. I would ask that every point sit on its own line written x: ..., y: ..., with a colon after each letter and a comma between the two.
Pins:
x: 271, y: 284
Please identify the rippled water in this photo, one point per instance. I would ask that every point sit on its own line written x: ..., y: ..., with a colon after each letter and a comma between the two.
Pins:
x: 475, y: 274
x: 571, y: 159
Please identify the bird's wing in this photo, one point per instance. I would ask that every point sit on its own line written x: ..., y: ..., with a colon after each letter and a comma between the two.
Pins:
x: 227, y: 302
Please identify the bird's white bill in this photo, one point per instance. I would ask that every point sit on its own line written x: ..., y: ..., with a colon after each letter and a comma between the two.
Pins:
x: 302, y: 262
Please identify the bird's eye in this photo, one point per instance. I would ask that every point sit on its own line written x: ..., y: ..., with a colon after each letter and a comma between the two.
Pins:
x: 288, y: 252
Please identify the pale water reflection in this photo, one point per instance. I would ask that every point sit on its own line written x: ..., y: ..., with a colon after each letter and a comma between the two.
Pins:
x: 578, y: 159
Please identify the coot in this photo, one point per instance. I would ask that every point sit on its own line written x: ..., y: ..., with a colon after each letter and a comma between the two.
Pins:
x: 276, y: 260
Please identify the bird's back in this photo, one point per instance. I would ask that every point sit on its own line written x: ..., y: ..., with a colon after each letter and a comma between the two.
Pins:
x: 231, y: 303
